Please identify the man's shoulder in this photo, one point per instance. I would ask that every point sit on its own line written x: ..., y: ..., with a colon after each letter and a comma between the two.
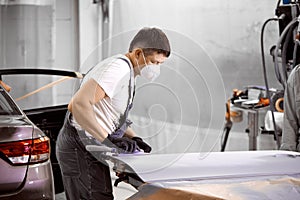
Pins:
x: 113, y: 68
x: 116, y: 61
x: 111, y: 64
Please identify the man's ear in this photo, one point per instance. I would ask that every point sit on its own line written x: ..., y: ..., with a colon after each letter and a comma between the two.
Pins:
x: 138, y: 52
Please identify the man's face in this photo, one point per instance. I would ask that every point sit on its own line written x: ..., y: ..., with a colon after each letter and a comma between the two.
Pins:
x: 139, y: 60
x: 152, y: 62
x: 155, y: 58
x: 152, y: 59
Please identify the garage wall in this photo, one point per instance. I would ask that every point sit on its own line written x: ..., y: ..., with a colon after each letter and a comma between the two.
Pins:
x: 27, y: 31
x: 215, y: 49
x: 67, y: 47
x: 220, y: 35
x: 39, y: 34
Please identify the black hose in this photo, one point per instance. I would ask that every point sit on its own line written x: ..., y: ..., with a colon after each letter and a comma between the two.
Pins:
x: 297, y: 41
x: 278, y: 2
x: 266, y: 78
x: 286, y: 43
x: 282, y: 36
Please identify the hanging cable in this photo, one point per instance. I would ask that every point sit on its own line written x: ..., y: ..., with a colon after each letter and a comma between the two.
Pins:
x: 297, y: 43
x: 265, y: 75
x: 284, y: 52
x: 278, y: 3
x: 281, y: 76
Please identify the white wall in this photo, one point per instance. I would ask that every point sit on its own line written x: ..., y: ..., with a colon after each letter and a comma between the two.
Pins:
x: 27, y: 41
x: 215, y: 48
x: 67, y: 47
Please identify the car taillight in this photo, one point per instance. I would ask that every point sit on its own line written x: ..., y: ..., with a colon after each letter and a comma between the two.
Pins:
x: 18, y: 152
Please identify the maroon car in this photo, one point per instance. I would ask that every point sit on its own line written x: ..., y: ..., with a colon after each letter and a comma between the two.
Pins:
x: 39, y: 125
x: 25, y: 167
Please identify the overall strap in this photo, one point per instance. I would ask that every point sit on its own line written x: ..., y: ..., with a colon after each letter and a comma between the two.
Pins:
x: 124, y: 123
x: 129, y: 86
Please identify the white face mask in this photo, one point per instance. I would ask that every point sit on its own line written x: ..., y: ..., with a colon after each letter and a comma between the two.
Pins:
x: 151, y: 71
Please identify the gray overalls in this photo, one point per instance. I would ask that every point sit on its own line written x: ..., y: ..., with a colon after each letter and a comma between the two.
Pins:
x: 84, y: 176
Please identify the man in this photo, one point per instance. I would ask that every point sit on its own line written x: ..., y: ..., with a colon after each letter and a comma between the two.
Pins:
x: 291, y: 120
x: 98, y: 115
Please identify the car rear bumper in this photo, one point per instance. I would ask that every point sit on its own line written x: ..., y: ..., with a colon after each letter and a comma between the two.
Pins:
x: 39, y: 184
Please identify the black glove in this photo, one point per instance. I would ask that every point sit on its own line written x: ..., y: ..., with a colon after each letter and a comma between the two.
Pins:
x: 123, y: 144
x: 142, y: 145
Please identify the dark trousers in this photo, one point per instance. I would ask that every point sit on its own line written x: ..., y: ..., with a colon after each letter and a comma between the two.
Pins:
x: 84, y: 177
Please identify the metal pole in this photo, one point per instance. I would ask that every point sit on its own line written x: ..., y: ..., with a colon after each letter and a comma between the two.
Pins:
x: 253, y: 129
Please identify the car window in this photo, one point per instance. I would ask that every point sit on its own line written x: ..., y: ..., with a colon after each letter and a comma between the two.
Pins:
x: 38, y: 91
x: 7, y: 106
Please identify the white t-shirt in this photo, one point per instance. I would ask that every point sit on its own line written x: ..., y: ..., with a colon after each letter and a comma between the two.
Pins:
x: 113, y: 75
